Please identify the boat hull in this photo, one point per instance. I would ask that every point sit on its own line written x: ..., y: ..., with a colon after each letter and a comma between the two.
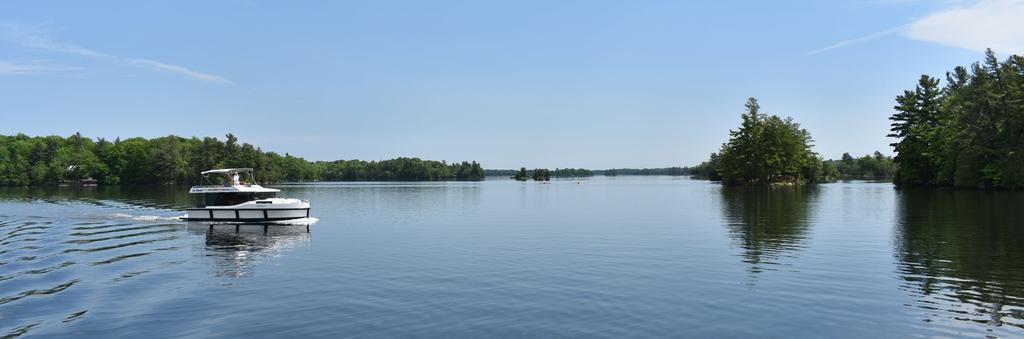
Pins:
x: 246, y: 214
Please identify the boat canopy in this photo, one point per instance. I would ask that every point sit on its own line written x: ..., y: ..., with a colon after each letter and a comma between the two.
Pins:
x: 227, y: 171
x: 232, y: 185
x: 232, y: 189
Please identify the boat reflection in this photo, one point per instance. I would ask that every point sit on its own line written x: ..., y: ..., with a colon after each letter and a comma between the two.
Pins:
x: 234, y: 249
x: 768, y: 223
x: 960, y: 257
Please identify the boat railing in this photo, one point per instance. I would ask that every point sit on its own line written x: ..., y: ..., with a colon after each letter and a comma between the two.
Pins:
x: 216, y: 186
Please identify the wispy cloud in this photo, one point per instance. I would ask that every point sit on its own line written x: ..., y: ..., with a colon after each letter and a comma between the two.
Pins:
x: 33, y: 37
x: 973, y: 25
x: 37, y: 38
x: 996, y: 24
x: 853, y: 41
x: 21, y: 68
x: 175, y: 69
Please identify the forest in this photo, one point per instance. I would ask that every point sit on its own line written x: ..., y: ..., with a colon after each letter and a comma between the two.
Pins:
x: 52, y: 160
x: 967, y: 133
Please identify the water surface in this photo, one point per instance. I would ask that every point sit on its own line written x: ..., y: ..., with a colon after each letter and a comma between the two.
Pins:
x: 599, y: 257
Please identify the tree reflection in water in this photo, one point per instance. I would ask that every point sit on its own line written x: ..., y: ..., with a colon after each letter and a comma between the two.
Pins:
x: 768, y: 223
x: 960, y: 255
x: 234, y: 249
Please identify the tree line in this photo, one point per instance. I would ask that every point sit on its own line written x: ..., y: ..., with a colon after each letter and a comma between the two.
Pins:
x: 582, y: 172
x: 876, y: 166
x: 51, y: 160
x: 966, y: 133
x: 572, y: 173
x: 557, y: 173
x: 645, y: 171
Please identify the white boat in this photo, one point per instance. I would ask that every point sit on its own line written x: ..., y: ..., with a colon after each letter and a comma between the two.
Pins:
x: 241, y: 200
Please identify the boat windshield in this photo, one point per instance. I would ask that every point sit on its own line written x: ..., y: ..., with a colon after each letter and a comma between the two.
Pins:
x: 234, y: 198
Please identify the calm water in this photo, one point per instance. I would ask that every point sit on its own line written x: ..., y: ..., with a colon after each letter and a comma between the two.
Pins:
x: 620, y: 257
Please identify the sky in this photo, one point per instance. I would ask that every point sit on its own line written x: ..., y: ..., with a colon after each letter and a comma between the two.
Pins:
x: 594, y: 84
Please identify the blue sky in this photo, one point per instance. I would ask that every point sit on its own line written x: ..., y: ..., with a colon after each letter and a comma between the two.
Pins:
x: 592, y: 84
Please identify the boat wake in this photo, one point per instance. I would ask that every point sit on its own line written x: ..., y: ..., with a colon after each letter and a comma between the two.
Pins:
x: 296, y: 222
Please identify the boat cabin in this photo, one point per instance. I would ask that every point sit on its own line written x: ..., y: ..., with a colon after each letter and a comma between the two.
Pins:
x: 230, y: 186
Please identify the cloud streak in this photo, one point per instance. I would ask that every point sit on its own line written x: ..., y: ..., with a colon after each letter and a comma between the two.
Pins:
x: 859, y: 40
x: 179, y: 70
x: 36, y: 39
x: 996, y: 24
x: 15, y: 68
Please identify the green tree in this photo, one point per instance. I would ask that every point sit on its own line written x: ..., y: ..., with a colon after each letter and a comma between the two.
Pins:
x: 915, y: 123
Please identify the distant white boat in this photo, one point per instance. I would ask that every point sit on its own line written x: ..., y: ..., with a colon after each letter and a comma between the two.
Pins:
x: 88, y: 182
x: 242, y: 200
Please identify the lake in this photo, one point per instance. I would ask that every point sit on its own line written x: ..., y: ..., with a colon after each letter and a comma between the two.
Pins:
x: 596, y: 257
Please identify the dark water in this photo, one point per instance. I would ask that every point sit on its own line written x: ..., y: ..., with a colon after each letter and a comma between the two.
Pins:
x: 621, y: 257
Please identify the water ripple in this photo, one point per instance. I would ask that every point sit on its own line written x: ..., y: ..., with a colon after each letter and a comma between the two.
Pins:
x: 119, y: 258
x: 123, y: 236
x: 35, y: 292
x: 38, y: 271
x: 116, y: 246
x: 74, y: 316
x: 100, y: 225
x: 26, y: 247
x: 20, y: 330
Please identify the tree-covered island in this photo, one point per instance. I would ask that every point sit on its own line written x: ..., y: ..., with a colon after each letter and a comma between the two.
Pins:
x: 537, y: 174
x: 765, y: 149
x: 521, y: 175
